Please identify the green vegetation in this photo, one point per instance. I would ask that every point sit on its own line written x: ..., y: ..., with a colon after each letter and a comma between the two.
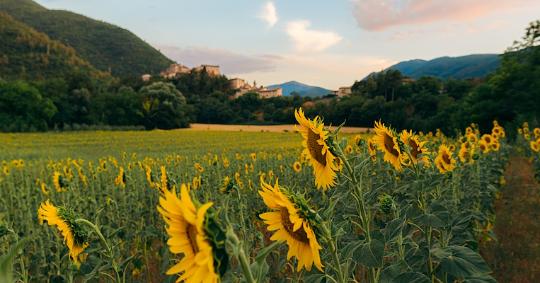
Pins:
x: 28, y: 54
x: 107, y: 47
x: 462, y: 67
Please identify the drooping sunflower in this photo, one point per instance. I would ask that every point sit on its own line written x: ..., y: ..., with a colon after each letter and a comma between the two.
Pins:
x: 186, y: 225
x: 291, y: 225
x: 297, y: 167
x: 120, y: 180
x: 417, y: 149
x: 198, y: 167
x: 372, y: 149
x: 387, y: 142
x: 75, y: 237
x: 444, y: 160
x: 316, y: 147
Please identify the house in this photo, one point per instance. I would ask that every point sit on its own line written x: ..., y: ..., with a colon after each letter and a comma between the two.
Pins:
x: 175, y: 69
x: 146, y: 77
x: 212, y: 70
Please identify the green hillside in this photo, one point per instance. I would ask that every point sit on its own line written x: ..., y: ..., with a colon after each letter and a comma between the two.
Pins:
x: 105, y: 46
x: 462, y: 67
x: 28, y: 54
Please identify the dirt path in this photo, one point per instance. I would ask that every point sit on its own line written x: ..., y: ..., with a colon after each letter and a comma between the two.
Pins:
x: 260, y: 128
x: 516, y: 255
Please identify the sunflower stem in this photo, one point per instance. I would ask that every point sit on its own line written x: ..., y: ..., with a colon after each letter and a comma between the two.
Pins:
x: 239, y: 252
x: 106, y: 245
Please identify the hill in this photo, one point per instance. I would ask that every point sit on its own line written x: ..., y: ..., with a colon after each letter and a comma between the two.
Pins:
x: 28, y: 54
x: 462, y: 67
x: 301, y: 89
x: 105, y: 46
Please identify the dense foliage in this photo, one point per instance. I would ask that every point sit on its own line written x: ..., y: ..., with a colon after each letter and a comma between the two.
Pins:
x: 107, y: 47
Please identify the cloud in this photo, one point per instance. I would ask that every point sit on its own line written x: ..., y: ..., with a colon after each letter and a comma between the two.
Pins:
x: 378, y: 15
x: 269, y: 14
x: 230, y: 62
x: 306, y: 39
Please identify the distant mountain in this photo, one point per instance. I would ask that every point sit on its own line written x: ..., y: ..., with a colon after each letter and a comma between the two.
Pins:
x: 105, y: 46
x: 301, y: 89
x: 463, y: 67
x: 28, y: 54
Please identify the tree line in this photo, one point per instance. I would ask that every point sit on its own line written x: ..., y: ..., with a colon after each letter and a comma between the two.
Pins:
x: 509, y: 95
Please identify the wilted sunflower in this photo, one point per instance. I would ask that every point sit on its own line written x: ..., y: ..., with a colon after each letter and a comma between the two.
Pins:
x: 75, y: 236
x: 297, y: 167
x: 417, y: 149
x: 316, y: 147
x: 291, y: 225
x: 444, y: 160
x: 387, y: 142
x: 202, y: 260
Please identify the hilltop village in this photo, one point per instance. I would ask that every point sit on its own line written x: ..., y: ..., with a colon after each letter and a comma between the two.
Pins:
x: 241, y: 86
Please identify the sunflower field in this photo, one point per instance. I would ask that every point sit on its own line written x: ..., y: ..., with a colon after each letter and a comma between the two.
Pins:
x: 309, y: 206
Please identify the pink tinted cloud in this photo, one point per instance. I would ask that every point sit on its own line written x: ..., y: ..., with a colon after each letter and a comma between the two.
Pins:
x: 376, y: 15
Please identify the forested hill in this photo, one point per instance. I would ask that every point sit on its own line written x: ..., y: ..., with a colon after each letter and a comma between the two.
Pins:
x: 462, y: 67
x: 107, y: 47
x: 28, y: 54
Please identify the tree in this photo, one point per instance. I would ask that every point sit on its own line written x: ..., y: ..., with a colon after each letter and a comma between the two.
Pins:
x: 164, y: 107
x: 22, y: 108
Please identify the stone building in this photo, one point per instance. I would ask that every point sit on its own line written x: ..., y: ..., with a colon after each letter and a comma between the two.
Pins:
x: 344, y: 91
x: 146, y: 77
x: 175, y: 69
x: 242, y: 87
x: 212, y: 70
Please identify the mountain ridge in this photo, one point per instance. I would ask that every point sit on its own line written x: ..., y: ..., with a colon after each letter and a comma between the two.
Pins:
x: 106, y: 46
x: 445, y: 67
x: 300, y: 88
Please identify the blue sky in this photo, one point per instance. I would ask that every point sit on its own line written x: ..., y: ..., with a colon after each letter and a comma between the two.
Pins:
x: 325, y: 43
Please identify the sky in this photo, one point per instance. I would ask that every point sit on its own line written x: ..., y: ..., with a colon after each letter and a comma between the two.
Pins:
x: 327, y: 43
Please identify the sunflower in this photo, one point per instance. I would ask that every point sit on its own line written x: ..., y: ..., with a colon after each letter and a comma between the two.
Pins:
x: 444, y: 160
x: 290, y: 225
x: 483, y: 146
x: 466, y: 152
x: 74, y: 235
x: 120, y: 180
x: 387, y: 142
x: 186, y: 227
x: 488, y: 139
x: 372, y: 149
x: 536, y: 132
x: 198, y: 167
x: 297, y: 167
x: 498, y: 131
x: 418, y: 152
x: 535, y: 146
x: 472, y: 138
x: 495, y: 145
x: 316, y: 148
x: 348, y: 149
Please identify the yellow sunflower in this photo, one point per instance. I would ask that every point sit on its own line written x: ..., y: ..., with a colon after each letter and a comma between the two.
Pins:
x: 75, y: 237
x: 120, y: 180
x: 372, y: 149
x: 417, y: 149
x: 387, y: 142
x: 536, y: 132
x: 315, y: 146
x: 297, y: 167
x: 472, y: 138
x: 290, y: 226
x: 185, y: 225
x: 483, y: 146
x: 466, y: 152
x: 444, y: 160
x: 535, y: 146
